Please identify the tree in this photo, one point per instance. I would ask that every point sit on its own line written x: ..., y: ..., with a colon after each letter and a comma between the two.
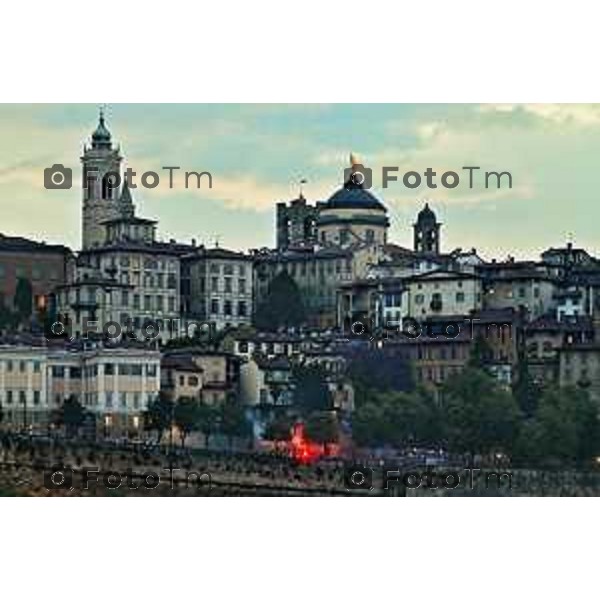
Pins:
x: 398, y: 419
x: 71, y: 415
x: 525, y: 390
x: 311, y: 392
x: 479, y: 415
x: 374, y: 370
x: 208, y: 420
x: 279, y: 429
x: 322, y: 428
x: 564, y: 429
x: 159, y: 415
x: 234, y: 422
x: 368, y: 425
x: 414, y: 418
x: 186, y: 416
x: 282, y: 306
x: 23, y: 300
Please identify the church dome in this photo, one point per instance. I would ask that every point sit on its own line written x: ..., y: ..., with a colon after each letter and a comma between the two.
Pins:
x: 353, y: 197
x: 353, y: 194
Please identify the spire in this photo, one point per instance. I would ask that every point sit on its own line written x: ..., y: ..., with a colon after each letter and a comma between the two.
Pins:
x: 126, y: 202
x: 101, y: 136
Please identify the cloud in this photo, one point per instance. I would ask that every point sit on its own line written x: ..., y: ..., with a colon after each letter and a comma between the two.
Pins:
x: 559, y: 114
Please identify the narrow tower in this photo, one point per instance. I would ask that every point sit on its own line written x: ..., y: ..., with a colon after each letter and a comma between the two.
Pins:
x: 101, y: 186
x: 427, y: 232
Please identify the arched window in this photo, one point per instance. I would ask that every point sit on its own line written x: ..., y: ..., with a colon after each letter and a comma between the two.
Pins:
x: 108, y: 185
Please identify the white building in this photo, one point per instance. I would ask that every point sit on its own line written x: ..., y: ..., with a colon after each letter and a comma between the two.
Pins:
x: 443, y: 293
x: 114, y: 383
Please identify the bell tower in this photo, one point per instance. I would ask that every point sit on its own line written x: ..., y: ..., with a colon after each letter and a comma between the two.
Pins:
x: 427, y: 232
x: 101, y: 185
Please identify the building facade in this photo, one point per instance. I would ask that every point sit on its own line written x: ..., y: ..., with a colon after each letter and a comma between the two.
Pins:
x: 220, y: 287
x: 115, y: 384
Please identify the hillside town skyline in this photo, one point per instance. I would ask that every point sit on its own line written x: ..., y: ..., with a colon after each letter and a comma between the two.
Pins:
x: 304, y: 346
x: 238, y: 211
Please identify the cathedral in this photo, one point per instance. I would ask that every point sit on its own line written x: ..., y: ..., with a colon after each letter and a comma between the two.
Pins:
x: 332, y: 244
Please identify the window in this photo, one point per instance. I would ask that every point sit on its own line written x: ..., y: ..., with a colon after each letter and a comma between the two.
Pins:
x: 419, y: 299
x: 536, y: 292
x: 22, y: 397
x: 124, y: 370
x: 370, y: 235
x: 151, y: 370
x: 192, y: 380
x: 36, y: 367
x: 460, y: 296
x: 172, y: 303
x: 136, y: 400
x: 228, y: 269
x: 214, y: 284
x: 58, y: 372
x: 227, y: 308
x: 242, y: 308
x: 228, y: 285
x: 36, y: 397
x: 136, y: 370
x: 22, y: 366
x: 159, y: 303
x: 9, y: 397
x: 108, y: 184
x: 242, y: 286
x: 123, y: 399
x: 214, y: 268
x: 521, y: 292
x: 124, y: 298
x: 181, y: 380
x: 136, y: 301
x: 214, y: 307
x: 109, y: 369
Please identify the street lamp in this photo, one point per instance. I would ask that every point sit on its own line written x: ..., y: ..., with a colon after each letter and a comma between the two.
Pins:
x: 107, y: 424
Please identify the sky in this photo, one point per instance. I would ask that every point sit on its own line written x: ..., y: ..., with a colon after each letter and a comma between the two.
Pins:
x: 257, y: 155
